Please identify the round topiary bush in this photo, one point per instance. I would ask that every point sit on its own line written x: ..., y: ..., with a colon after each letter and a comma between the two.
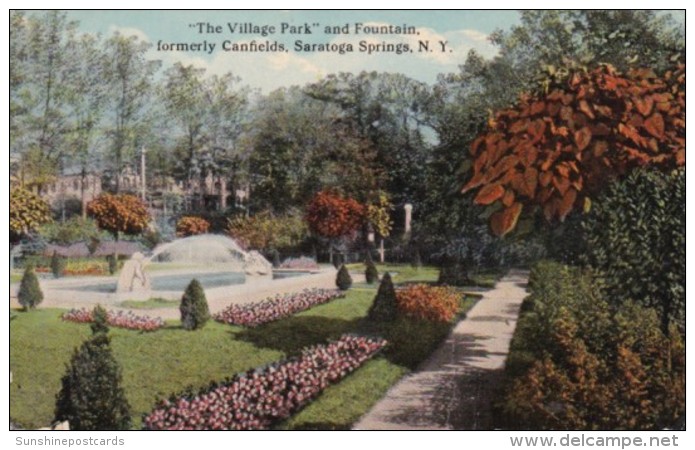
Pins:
x: 384, y: 308
x: 194, y: 307
x: 371, y: 274
x: 29, y: 294
x: 343, y: 280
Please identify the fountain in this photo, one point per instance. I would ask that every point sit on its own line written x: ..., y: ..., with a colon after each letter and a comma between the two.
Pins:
x: 209, y: 253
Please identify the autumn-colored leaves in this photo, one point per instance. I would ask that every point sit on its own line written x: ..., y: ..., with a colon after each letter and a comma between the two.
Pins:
x: 555, y: 151
x: 121, y: 213
x: 330, y: 215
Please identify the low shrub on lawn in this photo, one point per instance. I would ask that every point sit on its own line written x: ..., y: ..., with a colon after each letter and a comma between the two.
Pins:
x: 274, y: 308
x: 119, y: 319
x: 431, y: 303
x: 259, y: 398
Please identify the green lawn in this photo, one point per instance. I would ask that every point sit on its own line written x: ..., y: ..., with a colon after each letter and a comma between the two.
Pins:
x: 171, y: 359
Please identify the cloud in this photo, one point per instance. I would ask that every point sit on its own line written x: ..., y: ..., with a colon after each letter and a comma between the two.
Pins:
x: 129, y: 31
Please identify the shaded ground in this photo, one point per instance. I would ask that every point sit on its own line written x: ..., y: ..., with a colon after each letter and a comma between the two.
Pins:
x: 454, y: 387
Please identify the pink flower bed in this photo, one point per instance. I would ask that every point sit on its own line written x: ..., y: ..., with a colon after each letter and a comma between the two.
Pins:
x: 275, y: 308
x: 257, y: 399
x: 299, y: 263
x: 117, y: 319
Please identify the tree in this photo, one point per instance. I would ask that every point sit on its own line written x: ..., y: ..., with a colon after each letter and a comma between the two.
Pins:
x: 635, y: 237
x: 331, y: 215
x: 207, y: 114
x: 194, y: 307
x: 343, y: 279
x: 623, y: 38
x: 27, y: 212
x: 300, y: 145
x: 91, y: 397
x: 29, y: 294
x: 557, y: 149
x: 268, y: 232
x: 128, y: 77
x: 41, y: 89
x: 385, y: 111
x: 191, y: 225
x: 85, y: 108
x: 120, y: 213
x: 385, y: 307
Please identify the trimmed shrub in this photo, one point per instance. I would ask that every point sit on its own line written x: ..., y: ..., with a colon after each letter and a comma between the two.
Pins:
x: 29, y: 294
x: 384, y: 308
x: 576, y: 363
x: 430, y: 303
x: 371, y: 274
x: 91, y: 397
x: 100, y: 320
x: 113, y: 264
x: 635, y: 236
x: 343, y: 279
x: 194, y: 307
x: 57, y: 265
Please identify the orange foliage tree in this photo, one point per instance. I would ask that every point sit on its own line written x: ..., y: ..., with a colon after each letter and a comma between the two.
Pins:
x: 121, y: 213
x: 191, y: 225
x: 555, y: 150
x: 332, y: 216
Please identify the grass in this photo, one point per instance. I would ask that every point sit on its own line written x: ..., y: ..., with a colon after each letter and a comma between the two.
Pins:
x: 152, y: 303
x: 170, y: 360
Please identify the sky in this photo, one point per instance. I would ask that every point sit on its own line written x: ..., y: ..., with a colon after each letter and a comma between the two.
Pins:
x: 461, y: 31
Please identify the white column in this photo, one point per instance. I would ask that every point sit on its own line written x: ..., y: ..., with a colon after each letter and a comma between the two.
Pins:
x: 408, y: 217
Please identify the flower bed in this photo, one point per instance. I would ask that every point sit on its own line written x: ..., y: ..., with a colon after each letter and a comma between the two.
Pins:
x: 257, y: 399
x: 118, y: 319
x: 274, y: 308
x: 303, y: 263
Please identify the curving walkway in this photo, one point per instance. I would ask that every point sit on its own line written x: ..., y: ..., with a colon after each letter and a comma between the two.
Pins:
x: 453, y: 389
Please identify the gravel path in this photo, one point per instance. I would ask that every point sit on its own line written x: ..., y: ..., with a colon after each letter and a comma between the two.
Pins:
x: 453, y: 389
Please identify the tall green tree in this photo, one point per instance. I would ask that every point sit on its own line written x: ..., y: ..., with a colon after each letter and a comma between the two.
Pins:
x: 385, y: 110
x: 40, y: 87
x: 209, y: 113
x: 128, y: 76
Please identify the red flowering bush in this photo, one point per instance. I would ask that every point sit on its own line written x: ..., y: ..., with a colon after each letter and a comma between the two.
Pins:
x: 431, y: 303
x: 259, y: 398
x: 191, y: 225
x: 119, y: 319
x: 274, y: 308
x: 301, y: 263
